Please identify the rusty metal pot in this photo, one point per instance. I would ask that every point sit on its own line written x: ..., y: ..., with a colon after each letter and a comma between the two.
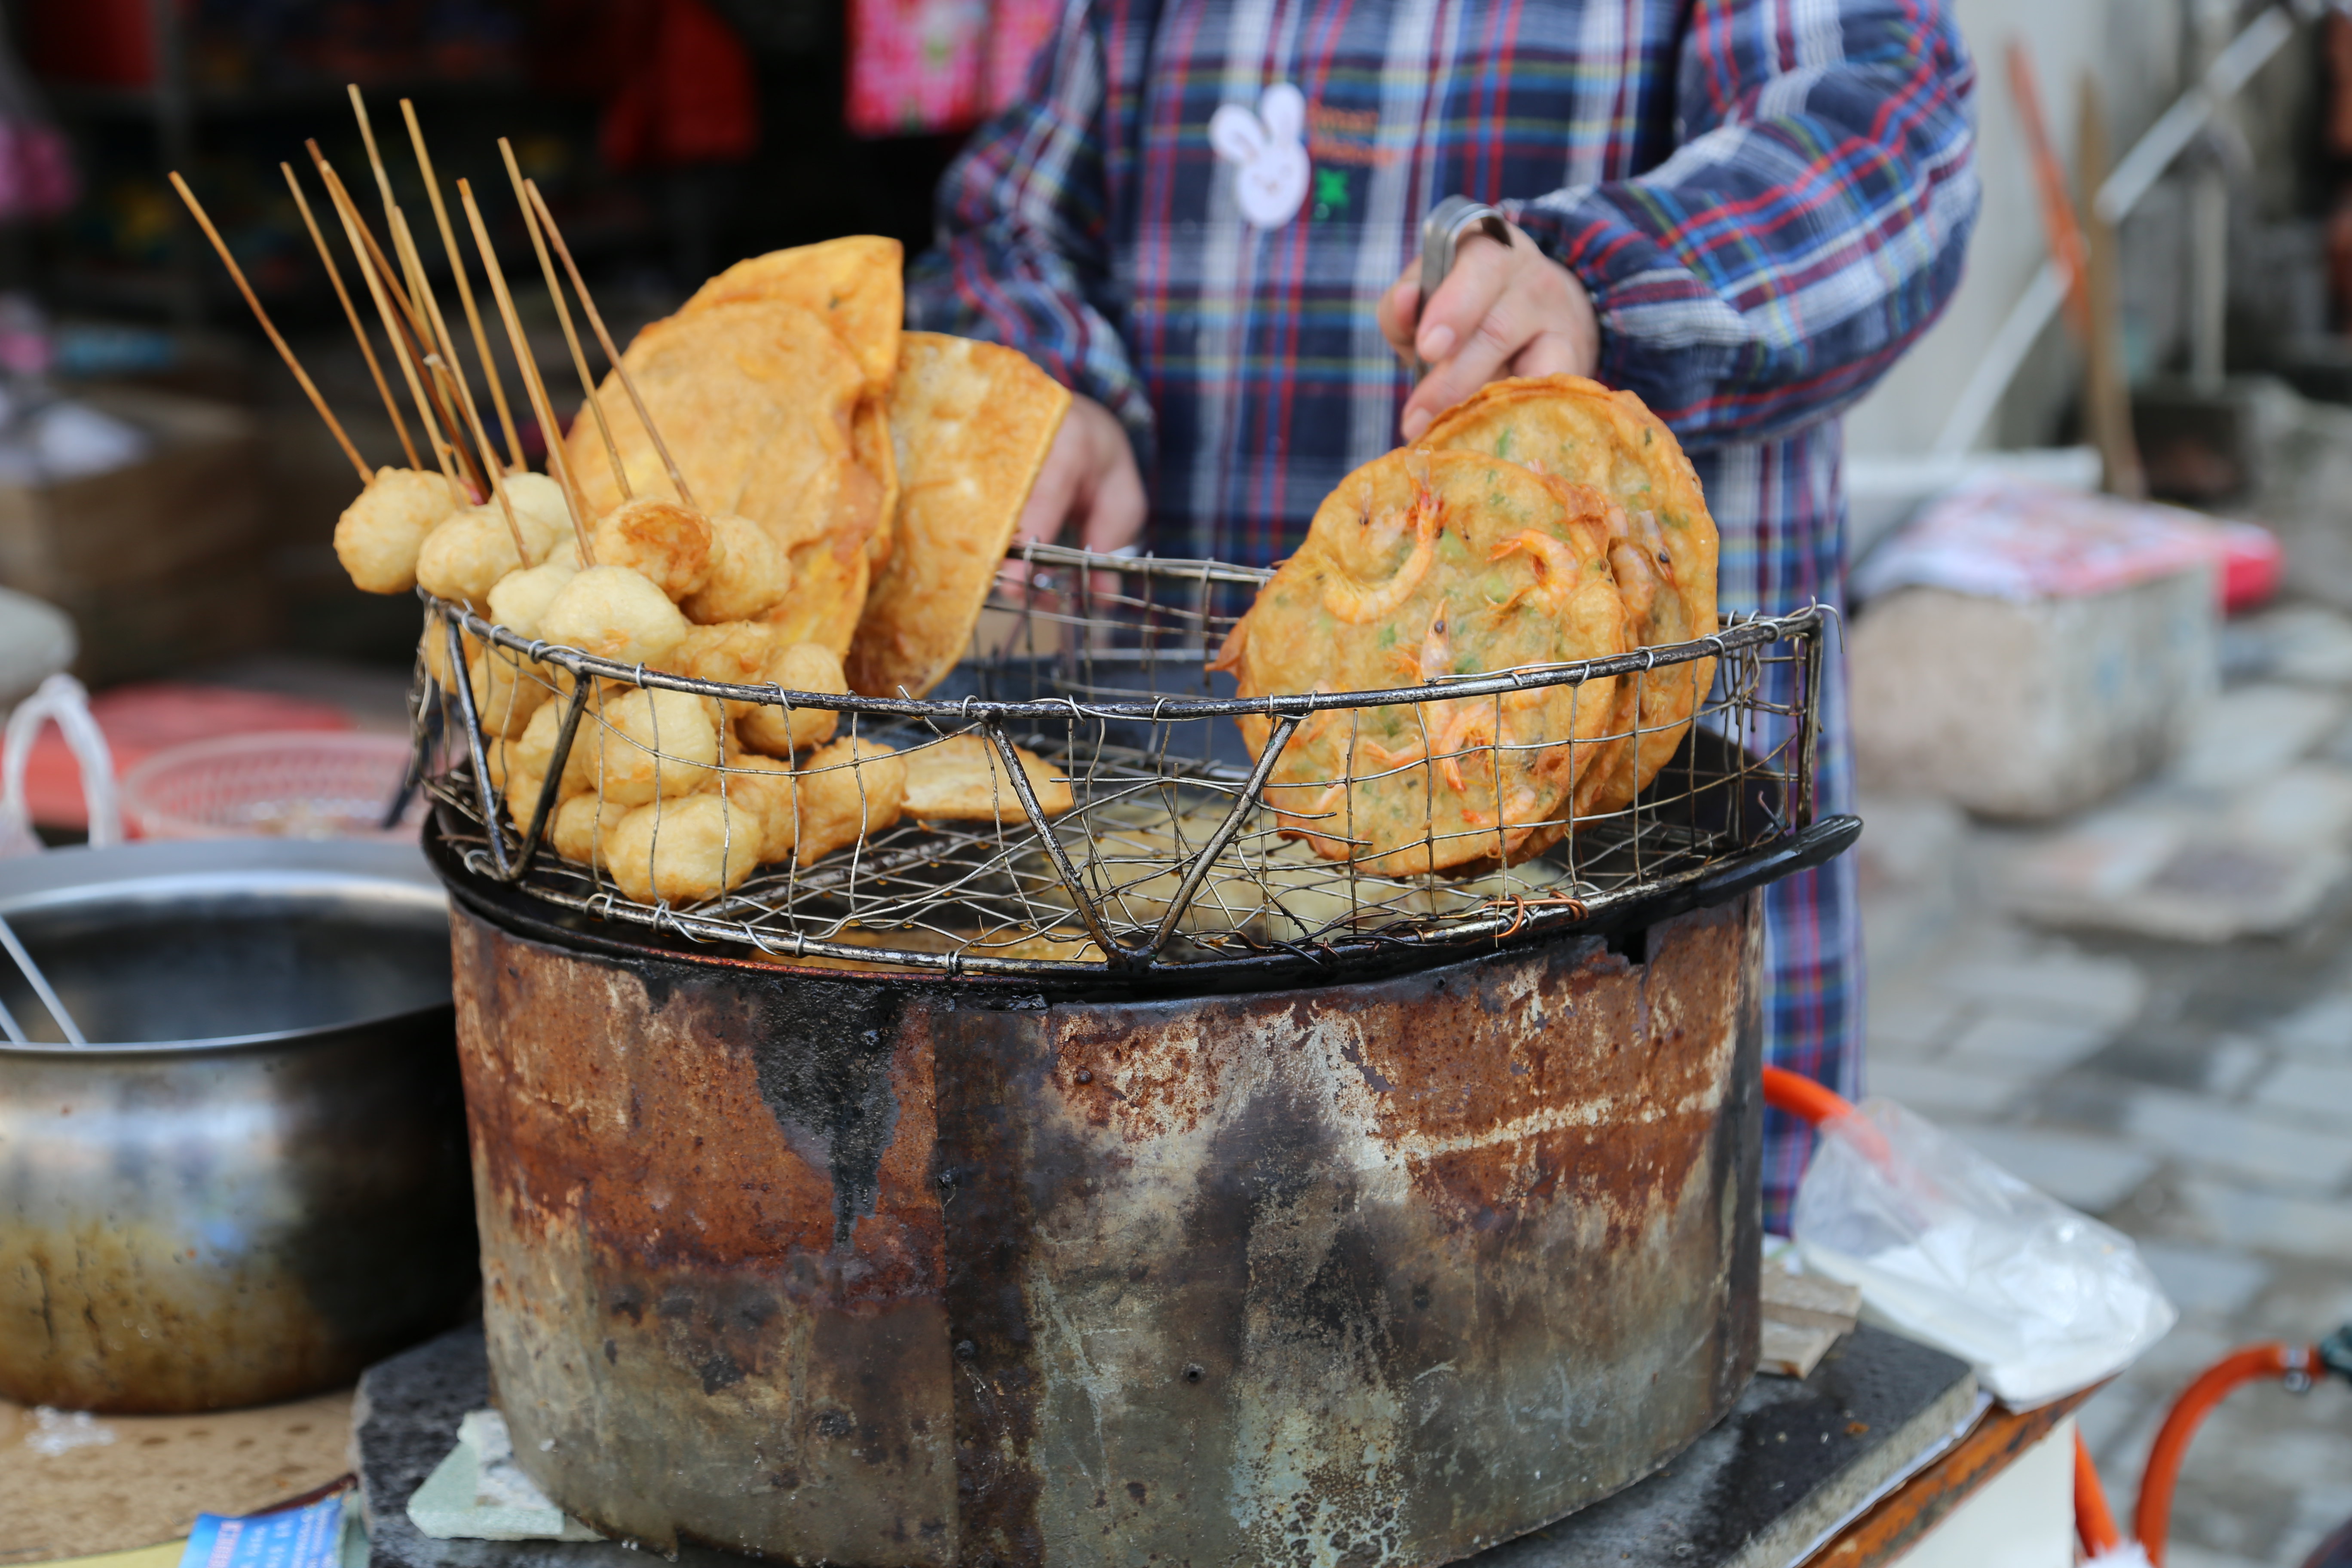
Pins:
x: 892, y: 1270
x: 256, y: 1183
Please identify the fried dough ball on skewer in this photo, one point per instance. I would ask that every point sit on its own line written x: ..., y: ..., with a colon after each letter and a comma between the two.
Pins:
x: 467, y: 556
x: 671, y: 546
x: 683, y: 851
x: 615, y: 613
x: 804, y: 667
x: 518, y: 599
x: 850, y: 790
x: 652, y: 743
x: 379, y: 535
x: 749, y: 574
x: 540, y: 511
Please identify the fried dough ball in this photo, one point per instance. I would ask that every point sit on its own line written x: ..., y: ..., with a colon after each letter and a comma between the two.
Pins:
x: 683, y: 851
x: 804, y: 667
x: 652, y: 744
x: 379, y: 535
x: 540, y: 513
x: 766, y: 787
x: 508, y: 689
x: 671, y: 546
x: 848, y: 790
x: 615, y: 613
x: 733, y: 653
x: 465, y: 557
x: 749, y: 574
x: 518, y: 599
x: 534, y: 750
x: 582, y: 831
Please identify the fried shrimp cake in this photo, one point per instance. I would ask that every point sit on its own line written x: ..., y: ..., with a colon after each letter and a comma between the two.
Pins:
x: 1661, y: 542
x: 1405, y: 579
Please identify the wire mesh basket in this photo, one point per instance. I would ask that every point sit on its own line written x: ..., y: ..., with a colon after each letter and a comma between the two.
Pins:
x: 1167, y: 859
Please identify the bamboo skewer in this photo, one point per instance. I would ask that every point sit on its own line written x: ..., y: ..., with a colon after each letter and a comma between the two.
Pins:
x: 493, y: 478
x: 409, y: 366
x: 237, y: 273
x: 352, y: 314
x: 451, y: 392
x: 563, y: 314
x: 597, y: 322
x: 367, y: 138
x: 537, y: 389
x: 415, y: 307
x: 465, y: 288
x: 327, y: 173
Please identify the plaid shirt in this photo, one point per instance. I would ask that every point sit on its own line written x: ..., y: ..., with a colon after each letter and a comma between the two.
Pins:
x: 1767, y: 199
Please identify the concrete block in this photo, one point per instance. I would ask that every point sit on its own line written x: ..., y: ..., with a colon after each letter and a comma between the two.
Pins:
x: 2319, y: 1032
x: 2269, y: 1222
x: 2309, y: 1092
x: 2251, y: 735
x: 2211, y: 1282
x: 2104, y: 994
x: 2237, y: 1142
x: 2235, y: 1062
x: 2030, y: 711
x: 1940, y: 1091
x: 2032, y: 1044
x: 2083, y: 1172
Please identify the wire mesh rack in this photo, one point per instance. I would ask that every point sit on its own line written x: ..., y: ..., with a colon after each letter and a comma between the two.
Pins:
x: 1095, y: 675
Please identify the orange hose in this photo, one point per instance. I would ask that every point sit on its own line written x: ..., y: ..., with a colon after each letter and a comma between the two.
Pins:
x: 2094, y: 1521
x: 2153, y: 1518
x: 1800, y: 1096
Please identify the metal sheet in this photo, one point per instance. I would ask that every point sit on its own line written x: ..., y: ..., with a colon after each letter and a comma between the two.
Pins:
x: 926, y: 1273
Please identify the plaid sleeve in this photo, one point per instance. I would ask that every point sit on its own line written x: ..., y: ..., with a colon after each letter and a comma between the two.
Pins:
x: 1809, y: 225
x: 1022, y: 253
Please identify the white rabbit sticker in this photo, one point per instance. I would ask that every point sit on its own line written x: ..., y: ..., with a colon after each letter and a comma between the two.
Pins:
x: 1267, y: 152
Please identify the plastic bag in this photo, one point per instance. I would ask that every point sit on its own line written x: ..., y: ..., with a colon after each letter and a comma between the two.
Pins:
x: 1950, y: 1249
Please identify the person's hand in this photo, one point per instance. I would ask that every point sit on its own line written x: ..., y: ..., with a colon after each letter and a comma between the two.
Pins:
x: 1499, y: 313
x: 1090, y: 484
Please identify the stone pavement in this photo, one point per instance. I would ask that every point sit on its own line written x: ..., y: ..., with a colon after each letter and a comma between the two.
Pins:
x: 2195, y: 1096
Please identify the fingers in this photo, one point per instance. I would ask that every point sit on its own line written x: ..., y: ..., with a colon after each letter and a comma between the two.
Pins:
x: 1115, y: 517
x: 1058, y: 482
x: 1551, y: 354
x: 1481, y: 270
x: 1537, y: 320
x: 1398, y: 310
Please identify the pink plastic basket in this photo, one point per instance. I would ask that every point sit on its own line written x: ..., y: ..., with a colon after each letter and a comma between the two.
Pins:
x: 285, y: 785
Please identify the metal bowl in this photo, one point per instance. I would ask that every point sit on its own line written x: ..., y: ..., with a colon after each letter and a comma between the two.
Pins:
x: 257, y: 1184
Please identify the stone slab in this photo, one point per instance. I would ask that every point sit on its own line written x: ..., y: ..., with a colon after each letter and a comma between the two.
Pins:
x: 1790, y: 1464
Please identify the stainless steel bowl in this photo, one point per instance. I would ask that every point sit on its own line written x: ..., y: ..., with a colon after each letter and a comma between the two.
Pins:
x: 258, y: 1183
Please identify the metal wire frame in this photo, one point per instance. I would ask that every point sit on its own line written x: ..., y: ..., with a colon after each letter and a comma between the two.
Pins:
x: 1171, y: 857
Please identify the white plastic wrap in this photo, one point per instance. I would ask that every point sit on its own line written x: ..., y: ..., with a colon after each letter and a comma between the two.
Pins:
x: 1950, y: 1249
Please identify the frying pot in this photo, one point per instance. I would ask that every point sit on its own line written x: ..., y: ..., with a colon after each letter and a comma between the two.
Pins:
x: 254, y: 1182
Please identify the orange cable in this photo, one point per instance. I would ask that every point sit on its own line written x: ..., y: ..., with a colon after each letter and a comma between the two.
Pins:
x: 2094, y: 1521
x: 2153, y: 1518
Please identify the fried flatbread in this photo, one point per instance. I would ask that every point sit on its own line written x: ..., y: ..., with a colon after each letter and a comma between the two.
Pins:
x: 853, y: 283
x: 1420, y: 566
x: 964, y: 779
x: 756, y: 401
x: 972, y: 424
x: 1662, y: 549
x: 870, y: 438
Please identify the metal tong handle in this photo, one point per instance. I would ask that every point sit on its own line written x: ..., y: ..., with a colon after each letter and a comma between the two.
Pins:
x: 1441, y: 235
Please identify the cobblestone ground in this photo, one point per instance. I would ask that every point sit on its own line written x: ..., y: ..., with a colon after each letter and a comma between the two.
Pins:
x: 2197, y: 1095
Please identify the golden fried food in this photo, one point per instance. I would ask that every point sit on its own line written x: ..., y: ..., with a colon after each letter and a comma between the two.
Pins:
x: 518, y: 599
x: 768, y: 788
x: 964, y: 779
x: 828, y: 594
x: 1421, y: 566
x: 756, y: 401
x: 790, y: 732
x: 749, y: 574
x: 970, y: 424
x: 465, y: 557
x: 379, y: 535
x: 533, y: 752
x: 853, y: 284
x: 683, y: 851
x: 652, y: 743
x: 1662, y: 551
x: 582, y: 826
x: 615, y: 613
x: 508, y: 688
x: 666, y: 543
x: 869, y: 439
x: 540, y: 509
x: 850, y: 790
x: 733, y: 653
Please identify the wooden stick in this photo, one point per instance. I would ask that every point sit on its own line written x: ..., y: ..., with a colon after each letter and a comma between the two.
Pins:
x: 451, y: 394
x: 595, y: 320
x: 237, y: 272
x: 563, y: 314
x: 349, y: 214
x: 383, y: 266
x: 350, y: 314
x: 464, y: 289
x: 540, y: 410
x: 367, y: 136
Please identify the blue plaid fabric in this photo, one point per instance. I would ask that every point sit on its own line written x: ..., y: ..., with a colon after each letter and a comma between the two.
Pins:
x: 1767, y: 199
